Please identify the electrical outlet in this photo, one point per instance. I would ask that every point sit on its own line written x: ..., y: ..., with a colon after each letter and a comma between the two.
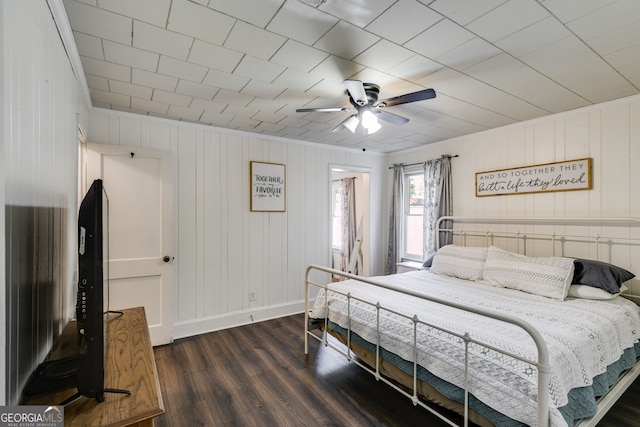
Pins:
x: 252, y: 295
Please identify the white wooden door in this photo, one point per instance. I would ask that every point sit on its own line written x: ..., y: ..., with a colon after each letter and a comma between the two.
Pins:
x: 139, y: 185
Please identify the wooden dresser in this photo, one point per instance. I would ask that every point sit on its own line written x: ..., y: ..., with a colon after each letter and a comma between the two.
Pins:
x: 130, y: 365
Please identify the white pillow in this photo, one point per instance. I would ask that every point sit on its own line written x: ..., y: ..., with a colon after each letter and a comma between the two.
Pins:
x: 589, y: 292
x: 545, y: 276
x: 464, y: 262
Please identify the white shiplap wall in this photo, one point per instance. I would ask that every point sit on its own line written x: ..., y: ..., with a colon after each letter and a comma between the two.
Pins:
x: 608, y: 132
x: 224, y: 251
x: 41, y: 110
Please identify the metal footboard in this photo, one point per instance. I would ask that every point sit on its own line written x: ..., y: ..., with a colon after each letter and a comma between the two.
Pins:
x: 541, y: 364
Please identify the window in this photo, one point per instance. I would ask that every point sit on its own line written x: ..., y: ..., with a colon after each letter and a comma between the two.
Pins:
x: 336, y: 215
x: 413, y: 215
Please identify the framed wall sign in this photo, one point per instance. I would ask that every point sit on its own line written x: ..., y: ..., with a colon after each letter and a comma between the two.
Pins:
x: 560, y: 176
x: 268, y: 187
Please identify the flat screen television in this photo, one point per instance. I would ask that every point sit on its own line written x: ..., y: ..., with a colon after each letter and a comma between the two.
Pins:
x: 92, y: 306
x: 93, y: 289
x: 86, y: 370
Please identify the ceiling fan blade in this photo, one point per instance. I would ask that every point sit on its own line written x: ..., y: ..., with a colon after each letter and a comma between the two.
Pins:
x: 356, y: 91
x: 391, y: 118
x: 322, y: 110
x: 420, y: 95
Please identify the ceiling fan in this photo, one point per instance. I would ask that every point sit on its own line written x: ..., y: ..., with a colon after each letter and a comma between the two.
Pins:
x: 364, y: 99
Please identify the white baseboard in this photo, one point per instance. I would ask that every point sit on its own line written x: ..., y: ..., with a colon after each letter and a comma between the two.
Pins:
x: 230, y: 320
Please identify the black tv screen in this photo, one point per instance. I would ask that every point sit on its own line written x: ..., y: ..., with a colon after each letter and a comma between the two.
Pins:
x: 92, y: 298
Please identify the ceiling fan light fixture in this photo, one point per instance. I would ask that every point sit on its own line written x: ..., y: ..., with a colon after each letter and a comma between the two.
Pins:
x: 351, y: 123
x: 370, y: 122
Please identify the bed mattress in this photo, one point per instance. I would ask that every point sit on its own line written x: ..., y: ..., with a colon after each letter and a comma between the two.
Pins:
x: 584, y: 337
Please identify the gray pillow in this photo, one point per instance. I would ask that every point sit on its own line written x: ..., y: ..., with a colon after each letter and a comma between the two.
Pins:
x: 600, y: 274
x: 427, y: 263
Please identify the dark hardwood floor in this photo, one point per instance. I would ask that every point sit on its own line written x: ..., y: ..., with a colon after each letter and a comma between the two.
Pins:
x: 258, y: 375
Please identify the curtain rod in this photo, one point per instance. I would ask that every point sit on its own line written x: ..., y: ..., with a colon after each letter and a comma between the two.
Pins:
x: 419, y: 163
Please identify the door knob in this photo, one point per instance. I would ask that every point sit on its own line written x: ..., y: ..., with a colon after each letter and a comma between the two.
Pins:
x: 166, y: 258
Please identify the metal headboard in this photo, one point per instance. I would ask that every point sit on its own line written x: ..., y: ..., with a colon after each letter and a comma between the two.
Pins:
x: 613, y: 240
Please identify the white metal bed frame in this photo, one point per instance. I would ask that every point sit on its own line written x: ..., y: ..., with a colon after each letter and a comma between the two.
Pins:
x: 521, y: 238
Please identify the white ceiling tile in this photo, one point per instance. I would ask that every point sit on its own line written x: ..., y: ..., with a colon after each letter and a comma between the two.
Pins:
x: 268, y: 91
x: 451, y: 83
x: 106, y: 69
x: 296, y: 80
x: 346, y: 41
x: 300, y: 22
x: 254, y: 41
x: 255, y: 68
x: 439, y: 39
x: 99, y: 23
x: 224, y: 80
x: 403, y: 21
x: 158, y: 81
x: 148, y: 105
x: 626, y: 60
x: 468, y: 54
x: 535, y: 66
x: 184, y: 113
x: 463, y: 11
x: 89, y: 46
x: 238, y: 109
x: 181, y: 69
x: 611, y: 17
x: 125, y: 55
x: 559, y: 62
x: 536, y: 36
x: 268, y: 116
x: 254, y: 12
x: 215, y: 118
x: 159, y: 40
x: 415, y: 67
x: 569, y: 10
x: 358, y: 12
x: 199, y: 22
x: 383, y: 55
x: 617, y: 40
x: 234, y: 99
x: 97, y: 82
x: 384, y: 80
x: 506, y: 73
x: 507, y: 18
x: 244, y: 123
x: 550, y: 55
x: 213, y: 56
x: 298, y: 56
x: 171, y: 98
x: 206, y: 105
x: 293, y: 121
x: 111, y: 98
x: 199, y: 90
x: 130, y: 89
x: 469, y: 112
x: 335, y: 69
x: 152, y: 11
x: 267, y: 127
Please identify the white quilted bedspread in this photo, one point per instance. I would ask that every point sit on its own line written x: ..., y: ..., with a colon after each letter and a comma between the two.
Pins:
x: 583, y: 336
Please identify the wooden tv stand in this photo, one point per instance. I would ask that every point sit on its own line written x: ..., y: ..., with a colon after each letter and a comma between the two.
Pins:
x: 130, y: 365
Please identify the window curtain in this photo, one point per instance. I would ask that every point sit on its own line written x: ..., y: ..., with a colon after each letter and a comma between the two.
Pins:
x: 438, y: 202
x: 348, y: 191
x: 395, y: 220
